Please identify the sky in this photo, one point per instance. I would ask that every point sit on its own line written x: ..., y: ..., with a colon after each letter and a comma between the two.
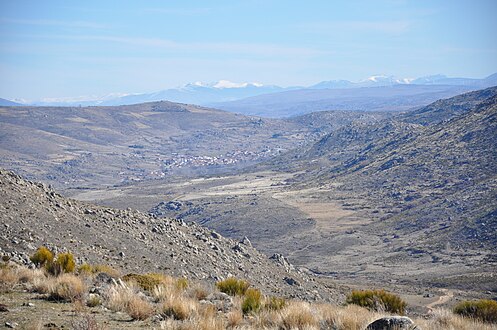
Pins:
x: 51, y: 49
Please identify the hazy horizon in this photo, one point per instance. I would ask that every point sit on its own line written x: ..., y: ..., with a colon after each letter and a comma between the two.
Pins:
x: 56, y: 49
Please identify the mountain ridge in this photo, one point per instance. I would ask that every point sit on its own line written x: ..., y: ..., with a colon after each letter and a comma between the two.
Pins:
x: 225, y: 91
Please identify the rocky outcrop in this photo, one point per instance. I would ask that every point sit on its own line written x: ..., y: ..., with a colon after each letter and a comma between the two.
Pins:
x: 393, y: 323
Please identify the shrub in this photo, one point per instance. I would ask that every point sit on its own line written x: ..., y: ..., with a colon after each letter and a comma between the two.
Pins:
x: 181, y: 284
x: 232, y: 286
x: 252, y: 301
x: 66, y: 287
x: 377, y: 300
x: 105, y: 269
x: 145, y: 281
x: 85, y: 269
x: 275, y: 304
x: 42, y: 256
x: 66, y: 262
x: 483, y: 309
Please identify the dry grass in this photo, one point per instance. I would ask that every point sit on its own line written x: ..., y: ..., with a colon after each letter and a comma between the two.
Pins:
x: 184, y: 310
x: 351, y: 317
x: 66, y: 287
x: 299, y: 315
x: 139, y: 309
x: 445, y: 320
x: 126, y: 299
x: 180, y: 308
x: 8, y: 279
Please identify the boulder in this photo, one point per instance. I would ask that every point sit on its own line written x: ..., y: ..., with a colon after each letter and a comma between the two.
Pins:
x: 393, y: 323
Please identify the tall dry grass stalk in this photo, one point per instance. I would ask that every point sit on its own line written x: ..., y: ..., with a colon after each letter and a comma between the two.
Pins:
x: 125, y: 298
x: 445, y: 320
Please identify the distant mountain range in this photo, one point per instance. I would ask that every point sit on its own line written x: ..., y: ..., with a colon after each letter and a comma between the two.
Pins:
x: 221, y: 92
x: 7, y: 103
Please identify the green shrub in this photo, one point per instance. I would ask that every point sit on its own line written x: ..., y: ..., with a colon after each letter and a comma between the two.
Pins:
x: 105, y: 269
x: 232, y: 286
x: 42, y: 256
x: 377, y: 300
x: 483, y: 309
x: 85, y: 269
x: 145, y: 281
x: 252, y: 301
x: 181, y: 284
x: 64, y: 264
x: 275, y: 304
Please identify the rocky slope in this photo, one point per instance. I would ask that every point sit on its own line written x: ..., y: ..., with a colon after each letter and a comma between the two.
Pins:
x: 434, y: 168
x: 32, y: 214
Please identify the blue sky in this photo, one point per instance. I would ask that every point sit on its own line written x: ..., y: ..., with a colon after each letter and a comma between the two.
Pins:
x: 73, y: 48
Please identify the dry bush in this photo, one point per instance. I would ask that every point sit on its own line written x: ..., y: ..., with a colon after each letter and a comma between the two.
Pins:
x: 274, y: 303
x: 179, y: 308
x: 181, y: 284
x: 8, y: 278
x: 12, y: 275
x: 164, y: 293
x: 267, y: 319
x: 149, y: 281
x: 252, y: 301
x: 234, y: 318
x: 126, y: 299
x: 27, y: 275
x: 377, y: 300
x: 233, y: 286
x: 351, y: 317
x: 483, y: 309
x: 66, y: 287
x: 298, y: 315
x: 85, y: 270
x: 442, y: 319
x: 117, y: 297
x: 138, y: 308
x: 106, y: 269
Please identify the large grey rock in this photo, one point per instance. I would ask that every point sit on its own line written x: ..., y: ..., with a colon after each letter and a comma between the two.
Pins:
x: 393, y: 323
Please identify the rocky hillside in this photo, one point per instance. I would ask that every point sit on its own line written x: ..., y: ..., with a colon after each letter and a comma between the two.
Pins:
x: 94, y: 147
x: 32, y: 214
x: 434, y: 169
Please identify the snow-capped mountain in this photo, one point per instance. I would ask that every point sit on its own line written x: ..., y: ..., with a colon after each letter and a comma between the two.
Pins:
x: 212, y: 93
x: 384, y: 80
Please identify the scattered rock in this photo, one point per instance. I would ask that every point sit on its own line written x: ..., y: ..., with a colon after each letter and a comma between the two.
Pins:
x: 246, y: 241
x: 290, y: 281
